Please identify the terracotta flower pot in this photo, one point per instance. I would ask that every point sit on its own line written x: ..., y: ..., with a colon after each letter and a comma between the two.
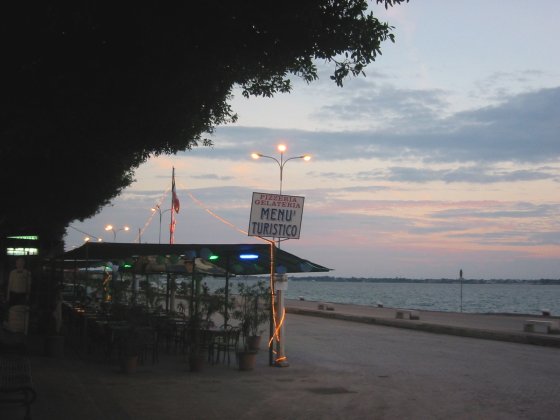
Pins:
x: 247, y: 359
x: 254, y: 342
x: 196, y: 362
x: 129, y: 364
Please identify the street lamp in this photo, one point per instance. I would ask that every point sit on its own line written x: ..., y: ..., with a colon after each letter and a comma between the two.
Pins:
x: 281, y: 148
x: 281, y: 357
x: 158, y: 209
x: 112, y: 228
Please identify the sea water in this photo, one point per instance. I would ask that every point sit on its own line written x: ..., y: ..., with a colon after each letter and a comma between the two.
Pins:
x: 476, y: 298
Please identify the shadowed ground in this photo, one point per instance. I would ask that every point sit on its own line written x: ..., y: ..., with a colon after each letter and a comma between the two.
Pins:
x: 338, y: 370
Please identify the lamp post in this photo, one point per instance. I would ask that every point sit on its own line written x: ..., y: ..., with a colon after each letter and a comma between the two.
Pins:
x: 115, y: 231
x: 158, y: 209
x: 89, y: 238
x: 281, y: 359
x: 281, y: 148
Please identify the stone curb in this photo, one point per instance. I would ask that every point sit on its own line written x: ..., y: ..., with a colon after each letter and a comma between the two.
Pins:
x: 514, y: 337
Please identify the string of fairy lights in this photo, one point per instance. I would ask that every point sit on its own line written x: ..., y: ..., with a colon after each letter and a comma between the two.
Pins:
x: 277, y: 323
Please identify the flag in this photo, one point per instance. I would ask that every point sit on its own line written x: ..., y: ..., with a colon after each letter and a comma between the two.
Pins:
x: 174, y: 208
x: 175, y: 200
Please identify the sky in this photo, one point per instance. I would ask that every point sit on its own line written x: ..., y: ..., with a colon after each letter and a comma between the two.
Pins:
x: 446, y: 156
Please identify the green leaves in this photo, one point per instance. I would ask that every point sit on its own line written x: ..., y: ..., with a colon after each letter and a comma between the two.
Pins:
x: 90, y: 93
x: 253, y: 308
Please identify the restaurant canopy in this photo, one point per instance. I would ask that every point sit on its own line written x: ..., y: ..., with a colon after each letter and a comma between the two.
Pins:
x: 235, y: 259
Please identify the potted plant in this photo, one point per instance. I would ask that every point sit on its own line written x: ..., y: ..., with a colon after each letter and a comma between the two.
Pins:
x: 225, y: 305
x: 197, y: 314
x: 54, y: 345
x: 210, y: 303
x: 130, y: 348
x: 151, y: 295
x: 252, y: 312
x: 119, y: 290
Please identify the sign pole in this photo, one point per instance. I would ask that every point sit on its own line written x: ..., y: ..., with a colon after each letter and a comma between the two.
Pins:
x: 277, y: 216
x: 272, y: 303
x: 281, y: 284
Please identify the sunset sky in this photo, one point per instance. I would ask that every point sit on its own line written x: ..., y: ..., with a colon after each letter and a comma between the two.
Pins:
x: 446, y: 156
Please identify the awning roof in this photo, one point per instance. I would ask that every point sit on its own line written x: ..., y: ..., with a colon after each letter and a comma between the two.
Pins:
x: 228, y: 256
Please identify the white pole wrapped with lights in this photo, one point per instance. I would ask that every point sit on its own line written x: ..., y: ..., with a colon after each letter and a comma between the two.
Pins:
x: 280, y: 280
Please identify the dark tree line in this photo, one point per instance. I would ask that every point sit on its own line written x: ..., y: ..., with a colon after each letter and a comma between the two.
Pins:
x: 91, y: 89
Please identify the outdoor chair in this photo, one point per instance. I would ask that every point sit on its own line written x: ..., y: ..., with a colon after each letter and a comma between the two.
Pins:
x: 225, y: 343
x: 181, y: 336
x: 16, y: 386
x: 149, y: 340
x: 96, y: 338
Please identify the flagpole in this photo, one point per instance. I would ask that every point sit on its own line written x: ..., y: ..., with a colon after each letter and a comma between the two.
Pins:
x: 172, y: 222
x: 171, y: 229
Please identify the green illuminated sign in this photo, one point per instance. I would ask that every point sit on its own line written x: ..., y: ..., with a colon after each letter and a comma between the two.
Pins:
x: 25, y: 237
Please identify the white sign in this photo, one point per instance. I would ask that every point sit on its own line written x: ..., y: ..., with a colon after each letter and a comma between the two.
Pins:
x: 277, y: 216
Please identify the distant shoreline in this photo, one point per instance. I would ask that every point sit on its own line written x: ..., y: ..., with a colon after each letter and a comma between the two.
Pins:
x: 431, y: 281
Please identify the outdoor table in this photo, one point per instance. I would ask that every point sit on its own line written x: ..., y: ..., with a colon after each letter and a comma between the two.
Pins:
x: 209, y: 337
x: 115, y: 331
x: 174, y: 330
x: 92, y: 332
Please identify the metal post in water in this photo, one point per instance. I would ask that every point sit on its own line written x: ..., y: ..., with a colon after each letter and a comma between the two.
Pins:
x: 461, y: 280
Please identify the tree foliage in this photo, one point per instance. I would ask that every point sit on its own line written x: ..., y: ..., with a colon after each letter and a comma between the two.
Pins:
x: 93, y: 89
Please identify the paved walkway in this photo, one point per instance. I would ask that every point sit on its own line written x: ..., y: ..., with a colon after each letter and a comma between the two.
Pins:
x: 502, y: 327
x: 338, y: 370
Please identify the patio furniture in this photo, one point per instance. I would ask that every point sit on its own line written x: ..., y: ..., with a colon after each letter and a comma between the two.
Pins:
x: 223, y: 343
x: 149, y: 344
x: 174, y: 331
x: 16, y: 386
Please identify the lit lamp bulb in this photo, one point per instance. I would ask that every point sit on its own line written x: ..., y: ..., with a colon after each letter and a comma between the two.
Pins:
x: 282, y: 148
x: 255, y: 155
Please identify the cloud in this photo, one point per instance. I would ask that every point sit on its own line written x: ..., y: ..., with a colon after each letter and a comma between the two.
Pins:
x: 212, y: 176
x: 546, y: 238
x: 495, y: 210
x: 524, y: 128
x: 388, y: 107
x: 473, y: 174
x: 502, y: 84
x: 418, y: 169
x: 338, y: 231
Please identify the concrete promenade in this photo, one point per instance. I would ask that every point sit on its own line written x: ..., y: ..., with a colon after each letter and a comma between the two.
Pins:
x: 338, y: 370
x: 502, y: 327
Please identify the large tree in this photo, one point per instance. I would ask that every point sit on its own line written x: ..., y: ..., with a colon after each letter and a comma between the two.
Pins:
x: 92, y: 89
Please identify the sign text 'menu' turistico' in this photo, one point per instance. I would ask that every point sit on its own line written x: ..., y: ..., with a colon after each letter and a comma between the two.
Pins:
x: 274, y: 215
